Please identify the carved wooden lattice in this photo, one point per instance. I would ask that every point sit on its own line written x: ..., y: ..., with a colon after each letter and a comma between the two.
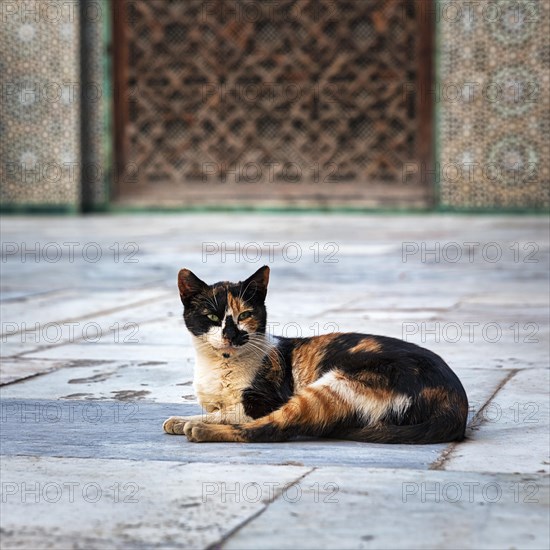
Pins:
x: 284, y: 91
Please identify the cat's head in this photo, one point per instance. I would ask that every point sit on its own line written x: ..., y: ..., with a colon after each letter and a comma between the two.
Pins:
x: 228, y: 317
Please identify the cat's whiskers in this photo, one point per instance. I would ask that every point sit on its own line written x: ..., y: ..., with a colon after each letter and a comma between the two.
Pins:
x: 205, y: 348
x: 213, y: 305
x: 266, y: 347
x: 243, y: 290
x: 257, y: 353
x: 215, y: 300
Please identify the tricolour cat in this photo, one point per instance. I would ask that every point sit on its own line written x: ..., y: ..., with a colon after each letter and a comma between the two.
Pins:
x: 256, y: 387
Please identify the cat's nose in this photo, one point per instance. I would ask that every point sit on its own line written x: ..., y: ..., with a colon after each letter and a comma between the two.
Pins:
x: 229, y: 331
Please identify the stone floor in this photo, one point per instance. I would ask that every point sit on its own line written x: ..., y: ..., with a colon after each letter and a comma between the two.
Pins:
x: 95, y: 356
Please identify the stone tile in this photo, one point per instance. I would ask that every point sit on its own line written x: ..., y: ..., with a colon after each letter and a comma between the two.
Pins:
x: 125, y: 329
x: 403, y: 510
x: 72, y: 305
x: 155, y: 381
x: 404, y: 301
x: 21, y: 369
x: 117, y: 325
x: 371, y: 289
x: 125, y: 504
x: 132, y: 429
x: 480, y: 384
x: 107, y: 352
x: 514, y: 430
x: 526, y: 298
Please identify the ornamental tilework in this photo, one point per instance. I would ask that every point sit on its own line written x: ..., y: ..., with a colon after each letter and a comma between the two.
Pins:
x: 492, y: 97
x: 40, y: 109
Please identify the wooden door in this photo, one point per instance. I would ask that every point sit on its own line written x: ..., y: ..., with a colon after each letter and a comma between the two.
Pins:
x: 272, y: 103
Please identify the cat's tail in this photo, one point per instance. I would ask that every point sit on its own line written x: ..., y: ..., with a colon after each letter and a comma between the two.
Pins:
x: 440, y: 429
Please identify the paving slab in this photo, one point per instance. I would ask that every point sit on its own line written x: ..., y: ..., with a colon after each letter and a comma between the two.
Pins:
x: 80, y: 411
x: 132, y: 429
x: 27, y: 313
x: 109, y: 351
x: 365, y: 509
x: 170, y: 382
x: 156, y: 381
x: 130, y: 504
x: 513, y: 433
x: 132, y: 323
x: 14, y: 370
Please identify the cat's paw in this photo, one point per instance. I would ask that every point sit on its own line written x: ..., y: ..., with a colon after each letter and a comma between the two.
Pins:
x: 196, y: 431
x: 175, y: 425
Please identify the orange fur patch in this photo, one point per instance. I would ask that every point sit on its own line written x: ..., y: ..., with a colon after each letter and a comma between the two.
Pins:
x: 311, y: 406
x: 435, y: 394
x: 306, y: 358
x: 441, y: 399
x: 235, y: 304
x: 215, y: 432
x: 251, y: 324
x: 367, y: 344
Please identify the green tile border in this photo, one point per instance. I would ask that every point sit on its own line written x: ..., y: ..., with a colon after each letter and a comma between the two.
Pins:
x: 18, y: 209
x: 319, y: 210
x: 128, y: 210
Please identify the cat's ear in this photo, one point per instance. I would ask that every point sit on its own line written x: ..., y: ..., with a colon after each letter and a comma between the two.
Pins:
x: 189, y: 284
x: 256, y: 284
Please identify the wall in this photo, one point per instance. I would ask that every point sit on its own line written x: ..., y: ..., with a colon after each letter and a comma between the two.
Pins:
x: 491, y: 98
x: 492, y: 101
x: 40, y: 108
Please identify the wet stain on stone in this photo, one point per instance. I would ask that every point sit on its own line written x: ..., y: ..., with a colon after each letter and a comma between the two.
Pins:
x: 76, y: 395
x: 85, y: 363
x: 128, y: 395
x: 95, y: 378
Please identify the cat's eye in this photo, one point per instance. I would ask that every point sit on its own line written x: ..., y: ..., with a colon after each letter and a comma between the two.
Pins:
x: 213, y: 317
x: 245, y: 315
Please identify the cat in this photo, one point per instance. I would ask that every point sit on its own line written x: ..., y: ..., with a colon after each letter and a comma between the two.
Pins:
x: 260, y: 388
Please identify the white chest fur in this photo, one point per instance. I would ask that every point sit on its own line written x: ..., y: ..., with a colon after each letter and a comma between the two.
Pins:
x: 219, y: 382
